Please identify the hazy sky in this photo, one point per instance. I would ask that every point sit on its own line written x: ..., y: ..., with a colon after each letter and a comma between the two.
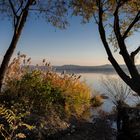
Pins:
x: 79, y: 44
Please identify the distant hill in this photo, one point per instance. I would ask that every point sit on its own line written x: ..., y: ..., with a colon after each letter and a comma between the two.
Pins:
x: 88, y: 69
x: 85, y: 69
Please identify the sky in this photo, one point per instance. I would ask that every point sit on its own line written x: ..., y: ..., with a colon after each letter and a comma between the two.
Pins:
x: 79, y: 44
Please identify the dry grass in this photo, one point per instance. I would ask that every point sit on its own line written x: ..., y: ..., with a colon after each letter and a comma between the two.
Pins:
x: 76, y: 93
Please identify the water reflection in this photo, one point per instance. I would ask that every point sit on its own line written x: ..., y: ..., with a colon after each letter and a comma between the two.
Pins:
x: 94, y: 80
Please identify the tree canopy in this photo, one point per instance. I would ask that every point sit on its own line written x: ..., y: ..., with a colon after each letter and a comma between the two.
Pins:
x: 53, y: 11
x: 127, y: 10
x: 121, y: 18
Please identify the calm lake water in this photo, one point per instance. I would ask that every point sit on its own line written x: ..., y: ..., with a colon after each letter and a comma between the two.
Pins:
x: 94, y: 80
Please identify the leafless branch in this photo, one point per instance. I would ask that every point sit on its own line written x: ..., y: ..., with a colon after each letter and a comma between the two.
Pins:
x: 21, y: 4
x: 136, y: 19
x: 95, y: 18
x: 134, y: 53
x: 12, y: 7
x: 37, y: 9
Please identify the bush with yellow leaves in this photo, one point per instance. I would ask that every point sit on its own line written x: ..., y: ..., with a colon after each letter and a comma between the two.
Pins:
x: 37, y: 92
x: 40, y: 87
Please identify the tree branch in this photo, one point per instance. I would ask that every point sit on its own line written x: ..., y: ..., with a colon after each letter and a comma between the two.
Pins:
x: 134, y: 53
x: 115, y: 64
x: 13, y: 9
x: 21, y: 4
x: 95, y: 18
x: 116, y: 23
x: 136, y: 19
x: 123, y: 50
x: 37, y: 9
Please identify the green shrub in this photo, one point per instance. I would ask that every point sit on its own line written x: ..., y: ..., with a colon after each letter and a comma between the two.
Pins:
x: 39, y: 89
x: 44, y: 98
x: 39, y: 93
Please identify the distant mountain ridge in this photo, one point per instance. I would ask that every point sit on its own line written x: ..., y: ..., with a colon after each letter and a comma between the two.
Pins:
x: 85, y: 69
x: 78, y: 68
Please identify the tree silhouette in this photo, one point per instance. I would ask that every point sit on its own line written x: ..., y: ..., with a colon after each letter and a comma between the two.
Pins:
x: 18, y: 11
x: 121, y: 18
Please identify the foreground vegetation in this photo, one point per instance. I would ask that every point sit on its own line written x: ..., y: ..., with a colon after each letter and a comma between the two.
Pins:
x: 37, y: 102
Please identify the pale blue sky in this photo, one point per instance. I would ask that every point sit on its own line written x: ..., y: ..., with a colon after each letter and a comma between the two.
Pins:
x: 78, y: 44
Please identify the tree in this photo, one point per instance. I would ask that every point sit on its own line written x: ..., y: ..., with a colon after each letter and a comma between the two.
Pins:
x: 122, y: 19
x: 18, y: 12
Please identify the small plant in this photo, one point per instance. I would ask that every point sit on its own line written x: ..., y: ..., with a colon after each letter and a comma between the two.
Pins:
x: 118, y: 92
x: 96, y: 101
x: 11, y: 125
x: 136, y: 99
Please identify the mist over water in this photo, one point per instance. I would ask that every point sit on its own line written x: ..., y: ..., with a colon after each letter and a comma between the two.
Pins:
x: 94, y: 80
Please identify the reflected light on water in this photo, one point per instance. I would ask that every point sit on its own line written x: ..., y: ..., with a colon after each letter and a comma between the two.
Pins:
x: 94, y: 80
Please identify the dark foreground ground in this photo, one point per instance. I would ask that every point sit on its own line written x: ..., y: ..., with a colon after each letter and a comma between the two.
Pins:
x: 100, y: 129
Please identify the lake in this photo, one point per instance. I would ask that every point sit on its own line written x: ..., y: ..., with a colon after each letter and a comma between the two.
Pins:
x: 94, y: 80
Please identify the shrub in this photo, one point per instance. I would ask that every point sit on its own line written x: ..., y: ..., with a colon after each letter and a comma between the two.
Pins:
x: 96, y: 101
x: 37, y: 93
x: 77, y: 94
x: 32, y: 91
x: 40, y: 88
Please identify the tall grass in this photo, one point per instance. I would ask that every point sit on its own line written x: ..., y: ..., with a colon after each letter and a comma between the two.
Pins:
x: 43, y: 97
x: 116, y: 90
x: 44, y: 86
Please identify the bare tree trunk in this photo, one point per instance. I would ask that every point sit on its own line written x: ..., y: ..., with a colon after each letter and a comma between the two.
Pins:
x: 17, y: 32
